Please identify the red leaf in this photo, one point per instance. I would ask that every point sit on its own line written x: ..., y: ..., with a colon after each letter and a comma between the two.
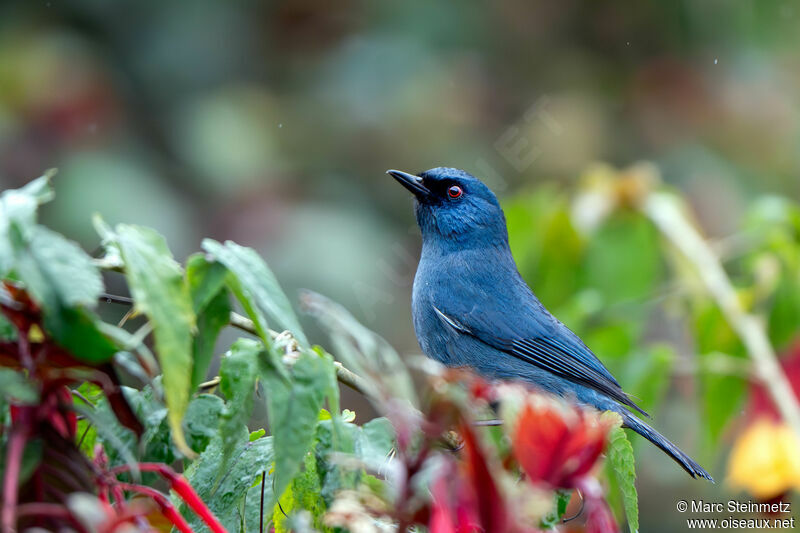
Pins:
x: 599, y: 518
x: 491, y: 507
x: 558, y: 447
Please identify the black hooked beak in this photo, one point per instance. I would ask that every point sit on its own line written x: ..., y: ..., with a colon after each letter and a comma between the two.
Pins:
x: 411, y: 182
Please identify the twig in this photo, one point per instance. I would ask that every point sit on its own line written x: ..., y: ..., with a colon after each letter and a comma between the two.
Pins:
x: 669, y: 216
x: 717, y: 363
x: 261, y: 513
x: 114, y: 299
x: 343, y: 375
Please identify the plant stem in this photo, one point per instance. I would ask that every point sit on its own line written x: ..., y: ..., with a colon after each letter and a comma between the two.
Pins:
x: 669, y: 216
x: 16, y: 447
x: 261, y: 512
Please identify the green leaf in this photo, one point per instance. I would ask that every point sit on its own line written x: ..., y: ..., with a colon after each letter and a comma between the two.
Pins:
x: 8, y: 333
x: 258, y: 285
x: 211, y: 304
x: 375, y: 443
x: 201, y: 422
x: 561, y: 501
x: 18, y: 216
x: 58, y: 272
x: 623, y: 260
x: 722, y: 394
x: 620, y: 459
x: 210, y: 322
x: 63, y: 279
x: 80, y: 332
x: 15, y: 386
x: 553, y: 252
x: 784, y: 315
x: 205, y: 279
x: 293, y: 409
x: 649, y: 374
x: 119, y: 442
x: 614, y: 339
x: 225, y: 495
x: 334, y: 475
x: 304, y: 493
x: 238, y: 373
x: 160, y: 292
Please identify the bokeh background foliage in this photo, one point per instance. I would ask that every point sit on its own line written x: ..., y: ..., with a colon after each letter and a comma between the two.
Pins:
x: 271, y: 124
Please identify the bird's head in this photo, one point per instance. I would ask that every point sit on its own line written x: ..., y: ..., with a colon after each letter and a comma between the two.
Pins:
x: 453, y: 205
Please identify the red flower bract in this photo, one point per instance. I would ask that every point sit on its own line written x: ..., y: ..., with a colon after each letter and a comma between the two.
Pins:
x: 558, y: 447
x: 466, y: 498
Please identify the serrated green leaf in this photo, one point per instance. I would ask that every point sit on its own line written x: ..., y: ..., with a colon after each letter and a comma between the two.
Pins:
x: 160, y: 292
x: 293, y: 409
x: 334, y: 476
x: 258, y: 284
x: 621, y: 461
x: 238, y: 373
x: 201, y: 422
x: 60, y: 272
x: 225, y: 495
x: 63, y: 279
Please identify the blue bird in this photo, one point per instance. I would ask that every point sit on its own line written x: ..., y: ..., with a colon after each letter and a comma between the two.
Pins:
x: 472, y: 308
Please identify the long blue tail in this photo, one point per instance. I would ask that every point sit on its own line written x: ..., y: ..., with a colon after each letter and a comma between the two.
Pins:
x: 688, y: 464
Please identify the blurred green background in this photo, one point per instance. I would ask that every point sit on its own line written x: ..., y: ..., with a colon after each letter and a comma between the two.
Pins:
x: 272, y: 124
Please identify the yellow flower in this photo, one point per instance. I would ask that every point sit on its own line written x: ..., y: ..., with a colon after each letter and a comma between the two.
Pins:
x: 765, y: 460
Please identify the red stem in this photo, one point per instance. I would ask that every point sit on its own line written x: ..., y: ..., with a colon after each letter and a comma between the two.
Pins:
x: 182, y: 487
x: 16, y: 447
x: 166, y: 507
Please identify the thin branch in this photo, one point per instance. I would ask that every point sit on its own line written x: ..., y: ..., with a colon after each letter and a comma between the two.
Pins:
x: 261, y: 512
x: 343, y: 375
x: 717, y: 363
x: 669, y: 215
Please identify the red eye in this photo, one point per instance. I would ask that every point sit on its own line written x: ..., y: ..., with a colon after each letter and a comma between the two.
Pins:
x: 454, y: 191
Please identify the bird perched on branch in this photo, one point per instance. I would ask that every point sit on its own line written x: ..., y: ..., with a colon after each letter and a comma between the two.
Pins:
x: 472, y: 308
